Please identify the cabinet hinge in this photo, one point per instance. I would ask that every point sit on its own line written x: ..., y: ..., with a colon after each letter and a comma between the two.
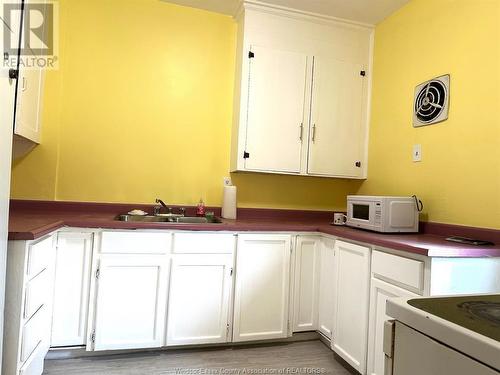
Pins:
x: 251, y: 55
x: 358, y: 164
x: 362, y: 73
x: 92, y: 337
x: 231, y: 272
x: 246, y: 155
x: 97, y: 273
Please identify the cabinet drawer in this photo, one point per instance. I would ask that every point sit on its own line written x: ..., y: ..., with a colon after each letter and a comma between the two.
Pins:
x: 406, y: 272
x: 132, y: 242
x: 37, y: 293
x: 203, y: 243
x: 39, y: 256
x: 33, y: 332
x: 34, y: 366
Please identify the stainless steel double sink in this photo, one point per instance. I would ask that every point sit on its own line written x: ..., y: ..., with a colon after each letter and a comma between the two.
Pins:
x: 168, y: 218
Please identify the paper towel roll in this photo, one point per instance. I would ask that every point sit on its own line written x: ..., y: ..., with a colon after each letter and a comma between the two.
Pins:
x: 229, y: 202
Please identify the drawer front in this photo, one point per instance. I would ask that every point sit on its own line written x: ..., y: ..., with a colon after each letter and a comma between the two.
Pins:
x: 39, y: 256
x: 37, y: 293
x: 33, y: 333
x: 204, y: 243
x: 34, y: 366
x: 133, y: 242
x: 408, y: 273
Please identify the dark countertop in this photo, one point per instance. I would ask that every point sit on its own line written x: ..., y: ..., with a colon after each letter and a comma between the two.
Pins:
x: 29, y: 223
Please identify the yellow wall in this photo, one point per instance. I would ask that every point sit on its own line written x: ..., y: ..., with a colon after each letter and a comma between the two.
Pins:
x: 459, y: 177
x: 141, y: 107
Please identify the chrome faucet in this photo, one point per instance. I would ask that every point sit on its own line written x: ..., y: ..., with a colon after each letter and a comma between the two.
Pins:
x: 160, y: 204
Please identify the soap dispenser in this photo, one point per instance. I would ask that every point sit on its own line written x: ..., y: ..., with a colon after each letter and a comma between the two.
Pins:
x: 200, y: 208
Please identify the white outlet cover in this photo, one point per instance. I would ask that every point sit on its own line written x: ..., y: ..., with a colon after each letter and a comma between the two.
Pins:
x: 227, y: 181
x: 417, y: 153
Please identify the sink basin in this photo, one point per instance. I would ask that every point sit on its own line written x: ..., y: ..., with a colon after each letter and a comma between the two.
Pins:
x: 167, y: 219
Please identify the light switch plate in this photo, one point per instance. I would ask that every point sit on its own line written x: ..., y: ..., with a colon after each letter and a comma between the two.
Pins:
x: 417, y: 153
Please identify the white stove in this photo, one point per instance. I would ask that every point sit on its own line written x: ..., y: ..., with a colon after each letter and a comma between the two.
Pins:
x: 444, y: 335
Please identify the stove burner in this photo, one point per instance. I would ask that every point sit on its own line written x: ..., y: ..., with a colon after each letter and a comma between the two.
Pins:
x: 489, y: 311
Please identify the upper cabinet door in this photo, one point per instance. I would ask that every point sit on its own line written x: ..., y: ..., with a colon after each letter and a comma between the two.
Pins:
x: 276, y: 102
x: 337, y: 129
x: 29, y: 91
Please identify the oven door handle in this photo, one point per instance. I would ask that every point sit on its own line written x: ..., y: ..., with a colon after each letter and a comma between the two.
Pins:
x: 388, y: 346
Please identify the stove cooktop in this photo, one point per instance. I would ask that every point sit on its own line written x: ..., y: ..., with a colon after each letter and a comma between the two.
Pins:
x: 480, y: 314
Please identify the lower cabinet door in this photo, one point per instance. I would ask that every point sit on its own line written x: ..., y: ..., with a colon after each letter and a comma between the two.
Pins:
x: 130, y: 309
x: 262, y: 287
x: 199, y: 299
x: 352, y: 280
x: 306, y: 287
x: 71, y: 291
x: 326, y: 301
x: 380, y: 292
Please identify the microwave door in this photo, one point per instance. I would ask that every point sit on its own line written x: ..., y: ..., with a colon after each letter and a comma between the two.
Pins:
x: 361, y: 211
x: 361, y: 214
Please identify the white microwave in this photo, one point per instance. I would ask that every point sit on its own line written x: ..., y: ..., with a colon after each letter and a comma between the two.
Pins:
x: 383, y: 214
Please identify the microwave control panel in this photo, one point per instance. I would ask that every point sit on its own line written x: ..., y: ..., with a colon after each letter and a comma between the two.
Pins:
x: 378, y: 213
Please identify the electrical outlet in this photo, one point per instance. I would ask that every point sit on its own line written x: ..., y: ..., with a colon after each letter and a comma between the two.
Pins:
x: 417, y: 153
x: 227, y: 181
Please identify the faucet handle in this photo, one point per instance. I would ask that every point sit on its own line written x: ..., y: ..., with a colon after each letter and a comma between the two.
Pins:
x: 182, y: 211
x: 156, y: 210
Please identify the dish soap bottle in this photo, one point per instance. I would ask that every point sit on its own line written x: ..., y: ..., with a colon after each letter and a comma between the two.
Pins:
x: 200, y: 209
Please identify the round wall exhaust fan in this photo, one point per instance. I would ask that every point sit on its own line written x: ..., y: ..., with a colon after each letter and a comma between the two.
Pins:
x: 431, y: 101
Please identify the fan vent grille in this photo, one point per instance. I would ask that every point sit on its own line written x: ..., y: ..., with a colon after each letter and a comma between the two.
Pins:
x: 431, y: 101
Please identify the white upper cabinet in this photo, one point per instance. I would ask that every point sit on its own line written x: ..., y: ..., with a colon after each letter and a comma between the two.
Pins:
x: 27, y: 123
x: 262, y: 287
x: 275, y: 126
x: 28, y: 106
x: 336, y: 141
x: 301, y: 94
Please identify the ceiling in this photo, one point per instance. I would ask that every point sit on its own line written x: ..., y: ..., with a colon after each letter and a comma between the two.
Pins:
x: 366, y: 11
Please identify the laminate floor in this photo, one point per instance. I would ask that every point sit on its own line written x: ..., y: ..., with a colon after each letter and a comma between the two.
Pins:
x: 299, y: 358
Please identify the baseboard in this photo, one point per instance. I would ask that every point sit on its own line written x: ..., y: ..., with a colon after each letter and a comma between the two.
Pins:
x: 81, y: 352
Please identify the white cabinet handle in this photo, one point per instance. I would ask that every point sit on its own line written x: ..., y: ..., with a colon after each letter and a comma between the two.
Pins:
x: 301, y: 131
x: 24, y: 86
x: 314, y: 133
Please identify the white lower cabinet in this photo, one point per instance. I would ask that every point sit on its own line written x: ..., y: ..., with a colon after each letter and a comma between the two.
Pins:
x: 71, y: 288
x: 262, y: 287
x: 28, y: 305
x: 326, y: 302
x: 306, y: 283
x: 199, y: 299
x: 130, y: 306
x: 381, y: 291
x: 352, y: 284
